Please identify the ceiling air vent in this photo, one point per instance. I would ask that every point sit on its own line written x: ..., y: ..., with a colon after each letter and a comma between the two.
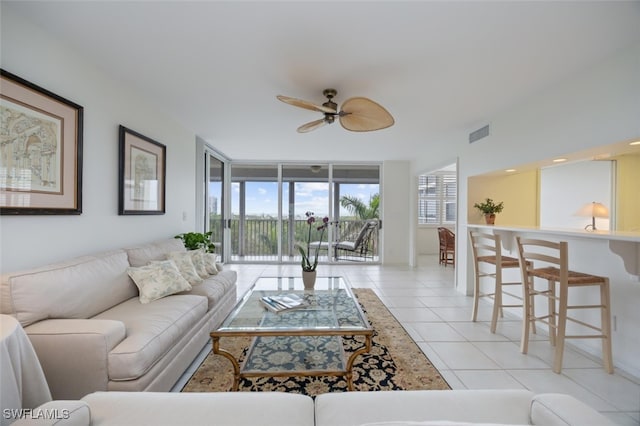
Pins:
x: 482, y: 132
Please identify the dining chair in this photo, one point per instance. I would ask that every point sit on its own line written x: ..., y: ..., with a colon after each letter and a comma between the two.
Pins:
x: 447, y: 240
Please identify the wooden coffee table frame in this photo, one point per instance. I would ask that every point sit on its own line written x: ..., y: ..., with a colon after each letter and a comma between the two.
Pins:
x: 237, y: 370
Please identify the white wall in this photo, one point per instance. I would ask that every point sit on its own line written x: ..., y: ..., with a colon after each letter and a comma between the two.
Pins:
x: 567, y: 188
x: 397, y: 194
x: 427, y: 241
x: 34, y: 240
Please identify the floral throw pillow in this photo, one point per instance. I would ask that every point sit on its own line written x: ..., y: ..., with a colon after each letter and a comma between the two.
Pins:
x: 157, y: 280
x: 210, y: 263
x: 199, y: 261
x: 185, y: 265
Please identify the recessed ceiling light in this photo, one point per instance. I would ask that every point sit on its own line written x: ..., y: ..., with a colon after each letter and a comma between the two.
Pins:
x: 559, y: 160
x: 510, y: 170
x: 635, y: 143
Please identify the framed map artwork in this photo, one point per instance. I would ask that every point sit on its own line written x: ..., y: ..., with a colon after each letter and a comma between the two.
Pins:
x: 40, y: 150
x: 142, y: 174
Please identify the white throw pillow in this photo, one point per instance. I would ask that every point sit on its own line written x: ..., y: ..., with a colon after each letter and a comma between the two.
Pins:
x: 157, y: 280
x: 185, y: 265
x: 210, y: 263
x: 199, y: 261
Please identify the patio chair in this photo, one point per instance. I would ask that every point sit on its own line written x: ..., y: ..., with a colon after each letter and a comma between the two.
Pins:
x: 360, y: 247
x: 318, y: 246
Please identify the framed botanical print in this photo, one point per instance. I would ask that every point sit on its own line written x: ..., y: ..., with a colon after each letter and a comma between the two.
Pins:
x: 40, y: 150
x: 142, y: 173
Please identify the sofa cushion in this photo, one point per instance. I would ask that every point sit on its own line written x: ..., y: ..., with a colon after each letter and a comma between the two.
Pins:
x: 157, y: 280
x: 158, y: 250
x: 78, y: 288
x: 199, y: 261
x: 215, y: 287
x: 185, y: 265
x: 57, y: 413
x: 554, y: 409
x: 210, y: 263
x: 152, y: 330
x: 200, y: 409
x: 480, y: 406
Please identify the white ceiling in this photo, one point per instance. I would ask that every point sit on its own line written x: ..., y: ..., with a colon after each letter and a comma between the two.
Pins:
x: 440, y: 68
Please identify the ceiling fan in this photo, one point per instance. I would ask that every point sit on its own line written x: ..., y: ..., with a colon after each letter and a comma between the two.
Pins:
x: 356, y: 114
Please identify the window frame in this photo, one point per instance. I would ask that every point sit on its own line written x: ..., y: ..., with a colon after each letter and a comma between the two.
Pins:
x: 445, y: 200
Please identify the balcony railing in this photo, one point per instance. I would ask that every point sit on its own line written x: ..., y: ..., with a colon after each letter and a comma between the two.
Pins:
x: 258, y: 238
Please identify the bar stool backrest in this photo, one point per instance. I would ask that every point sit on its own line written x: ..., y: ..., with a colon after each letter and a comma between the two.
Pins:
x: 485, y: 244
x: 551, y: 254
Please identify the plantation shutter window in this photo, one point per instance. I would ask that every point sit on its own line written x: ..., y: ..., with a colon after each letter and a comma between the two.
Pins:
x: 437, y: 198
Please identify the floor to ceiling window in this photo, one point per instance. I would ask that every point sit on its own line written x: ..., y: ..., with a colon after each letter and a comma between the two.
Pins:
x: 268, y: 203
x: 305, y: 188
x: 215, y: 201
x: 254, y: 212
x: 356, y: 194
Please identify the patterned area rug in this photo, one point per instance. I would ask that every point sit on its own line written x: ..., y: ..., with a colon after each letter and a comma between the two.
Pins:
x: 394, y: 363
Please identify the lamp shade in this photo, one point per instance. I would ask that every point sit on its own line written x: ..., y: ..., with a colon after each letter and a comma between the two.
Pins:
x: 593, y: 210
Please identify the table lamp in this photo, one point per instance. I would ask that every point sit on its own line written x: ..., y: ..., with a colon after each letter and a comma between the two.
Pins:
x: 593, y: 210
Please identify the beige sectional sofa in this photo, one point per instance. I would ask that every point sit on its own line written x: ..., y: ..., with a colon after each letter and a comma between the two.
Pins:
x: 92, y: 333
x: 386, y: 408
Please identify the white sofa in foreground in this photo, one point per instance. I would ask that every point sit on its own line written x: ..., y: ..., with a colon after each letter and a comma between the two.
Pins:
x: 389, y: 408
x: 90, y: 331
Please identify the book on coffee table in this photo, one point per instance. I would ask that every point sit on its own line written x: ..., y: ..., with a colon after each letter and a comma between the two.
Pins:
x: 283, y: 302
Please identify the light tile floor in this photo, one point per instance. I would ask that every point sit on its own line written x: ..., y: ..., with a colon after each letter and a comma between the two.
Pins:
x: 467, y: 354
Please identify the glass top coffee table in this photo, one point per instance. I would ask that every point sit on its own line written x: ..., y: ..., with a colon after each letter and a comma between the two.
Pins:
x: 305, y: 341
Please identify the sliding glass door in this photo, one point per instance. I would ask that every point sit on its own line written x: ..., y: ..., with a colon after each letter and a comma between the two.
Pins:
x: 356, y: 195
x: 305, y: 188
x: 254, y: 213
x: 215, y: 201
x: 268, y: 202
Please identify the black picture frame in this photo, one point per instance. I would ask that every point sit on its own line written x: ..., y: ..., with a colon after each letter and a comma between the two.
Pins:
x: 142, y: 174
x: 41, y: 161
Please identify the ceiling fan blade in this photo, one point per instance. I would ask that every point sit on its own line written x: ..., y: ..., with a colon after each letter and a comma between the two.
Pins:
x: 305, y: 104
x: 364, y: 115
x: 312, y: 126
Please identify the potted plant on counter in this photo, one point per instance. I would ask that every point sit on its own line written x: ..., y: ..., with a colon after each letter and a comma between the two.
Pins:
x: 489, y: 210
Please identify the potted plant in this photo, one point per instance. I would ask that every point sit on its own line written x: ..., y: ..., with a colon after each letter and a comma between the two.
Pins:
x: 489, y: 210
x: 196, y: 240
x: 309, y: 268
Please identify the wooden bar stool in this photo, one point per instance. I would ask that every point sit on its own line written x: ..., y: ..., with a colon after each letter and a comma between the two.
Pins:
x: 551, y: 264
x: 487, y: 250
